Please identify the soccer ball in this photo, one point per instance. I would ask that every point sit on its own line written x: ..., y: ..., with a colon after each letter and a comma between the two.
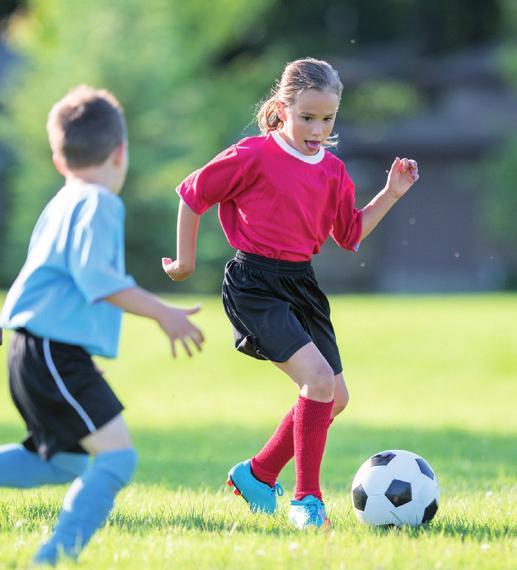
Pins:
x: 395, y: 487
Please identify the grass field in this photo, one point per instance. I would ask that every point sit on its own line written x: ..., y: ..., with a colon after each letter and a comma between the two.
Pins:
x: 435, y: 375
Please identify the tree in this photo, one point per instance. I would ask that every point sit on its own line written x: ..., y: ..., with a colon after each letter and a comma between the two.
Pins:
x: 160, y: 58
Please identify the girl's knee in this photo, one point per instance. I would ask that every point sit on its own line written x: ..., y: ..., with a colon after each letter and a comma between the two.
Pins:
x: 340, y: 403
x: 322, y: 380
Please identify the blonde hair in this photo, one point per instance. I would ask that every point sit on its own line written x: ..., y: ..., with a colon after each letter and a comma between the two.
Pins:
x: 298, y: 75
x: 85, y: 126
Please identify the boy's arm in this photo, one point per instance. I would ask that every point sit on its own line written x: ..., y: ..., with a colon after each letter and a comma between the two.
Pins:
x: 172, y: 320
x: 402, y: 175
x: 185, y: 263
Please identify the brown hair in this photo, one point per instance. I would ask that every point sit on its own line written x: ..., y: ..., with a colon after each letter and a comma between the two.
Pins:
x: 85, y: 126
x: 299, y: 75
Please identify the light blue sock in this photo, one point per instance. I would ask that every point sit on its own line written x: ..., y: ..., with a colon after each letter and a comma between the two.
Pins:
x: 23, y: 469
x: 87, y: 504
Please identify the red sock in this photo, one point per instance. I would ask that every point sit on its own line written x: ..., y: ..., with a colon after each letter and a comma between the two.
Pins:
x: 311, y: 424
x: 272, y: 458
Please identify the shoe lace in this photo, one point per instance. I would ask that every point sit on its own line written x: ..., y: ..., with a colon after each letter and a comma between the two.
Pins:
x: 278, y: 489
x: 314, y: 510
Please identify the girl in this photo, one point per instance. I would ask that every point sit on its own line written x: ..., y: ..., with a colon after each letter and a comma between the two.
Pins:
x: 280, y: 195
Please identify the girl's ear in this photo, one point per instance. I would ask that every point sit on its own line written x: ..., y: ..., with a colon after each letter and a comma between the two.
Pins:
x: 280, y: 111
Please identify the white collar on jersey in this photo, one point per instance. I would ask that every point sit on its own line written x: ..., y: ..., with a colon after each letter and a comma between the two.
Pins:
x: 308, y: 158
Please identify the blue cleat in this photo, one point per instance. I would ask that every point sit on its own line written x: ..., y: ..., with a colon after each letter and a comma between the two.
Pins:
x: 309, y: 511
x: 259, y: 496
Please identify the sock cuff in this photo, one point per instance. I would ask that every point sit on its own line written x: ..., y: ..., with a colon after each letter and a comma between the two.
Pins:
x: 120, y: 463
x: 314, y: 404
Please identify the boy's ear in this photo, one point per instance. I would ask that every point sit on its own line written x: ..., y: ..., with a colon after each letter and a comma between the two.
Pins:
x: 280, y: 111
x: 59, y: 164
x: 118, y: 154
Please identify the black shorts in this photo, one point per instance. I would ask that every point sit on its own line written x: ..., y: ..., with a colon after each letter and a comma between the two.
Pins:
x: 276, y: 307
x: 59, y: 393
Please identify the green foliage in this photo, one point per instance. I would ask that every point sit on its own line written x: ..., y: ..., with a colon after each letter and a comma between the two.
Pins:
x: 501, y: 204
x: 500, y: 171
x: 160, y: 59
x: 379, y: 101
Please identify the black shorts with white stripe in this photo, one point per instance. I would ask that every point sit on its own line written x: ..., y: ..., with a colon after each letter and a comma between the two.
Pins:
x: 58, y: 391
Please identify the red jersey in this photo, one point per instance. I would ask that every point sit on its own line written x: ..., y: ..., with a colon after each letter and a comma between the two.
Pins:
x: 275, y: 201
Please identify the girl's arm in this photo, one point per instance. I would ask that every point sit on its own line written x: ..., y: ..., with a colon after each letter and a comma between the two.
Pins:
x: 185, y: 263
x: 403, y: 174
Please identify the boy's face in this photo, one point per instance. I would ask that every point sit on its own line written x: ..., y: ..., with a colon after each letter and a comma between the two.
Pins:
x: 309, y: 121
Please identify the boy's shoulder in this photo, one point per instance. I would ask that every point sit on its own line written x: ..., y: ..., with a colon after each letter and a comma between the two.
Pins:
x: 77, y: 203
x: 78, y: 194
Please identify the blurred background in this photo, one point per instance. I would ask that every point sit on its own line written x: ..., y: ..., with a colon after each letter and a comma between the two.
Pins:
x: 435, y: 81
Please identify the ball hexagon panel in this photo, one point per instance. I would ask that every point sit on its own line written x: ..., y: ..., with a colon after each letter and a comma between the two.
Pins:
x: 399, y: 492
x: 425, y: 468
x: 430, y: 511
x: 382, y: 458
x: 359, y: 498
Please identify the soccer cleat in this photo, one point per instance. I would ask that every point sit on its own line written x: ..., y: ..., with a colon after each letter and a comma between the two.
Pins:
x: 309, y: 511
x: 259, y: 496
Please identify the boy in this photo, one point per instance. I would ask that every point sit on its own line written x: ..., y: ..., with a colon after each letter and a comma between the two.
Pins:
x: 66, y: 305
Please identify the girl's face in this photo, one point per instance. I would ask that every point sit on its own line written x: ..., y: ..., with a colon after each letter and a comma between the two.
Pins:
x: 309, y: 121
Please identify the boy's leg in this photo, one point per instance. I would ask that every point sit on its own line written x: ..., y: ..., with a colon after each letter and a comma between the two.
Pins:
x: 90, y: 498
x: 279, y: 450
x: 24, y: 469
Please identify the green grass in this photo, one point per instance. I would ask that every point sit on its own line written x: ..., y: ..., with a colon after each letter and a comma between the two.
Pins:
x: 435, y: 375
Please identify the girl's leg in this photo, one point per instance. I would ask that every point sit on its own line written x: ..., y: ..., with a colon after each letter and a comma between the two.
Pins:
x: 279, y: 450
x: 312, y: 417
x: 90, y: 498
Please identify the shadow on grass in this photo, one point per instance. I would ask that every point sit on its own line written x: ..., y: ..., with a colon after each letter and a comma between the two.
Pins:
x: 198, y: 459
x: 229, y: 522
x: 444, y: 527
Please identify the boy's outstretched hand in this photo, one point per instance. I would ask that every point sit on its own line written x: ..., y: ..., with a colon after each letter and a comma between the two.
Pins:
x: 177, y: 327
x: 402, y: 175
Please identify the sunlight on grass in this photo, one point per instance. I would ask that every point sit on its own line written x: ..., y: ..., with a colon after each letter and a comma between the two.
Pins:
x: 435, y: 375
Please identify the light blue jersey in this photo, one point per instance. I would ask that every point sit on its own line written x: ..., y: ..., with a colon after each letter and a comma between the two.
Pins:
x: 76, y: 258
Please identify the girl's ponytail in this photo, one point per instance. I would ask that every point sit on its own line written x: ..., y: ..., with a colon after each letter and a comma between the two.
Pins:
x: 267, y: 116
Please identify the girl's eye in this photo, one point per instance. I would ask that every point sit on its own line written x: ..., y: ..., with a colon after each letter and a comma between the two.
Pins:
x: 306, y: 119
x: 328, y: 119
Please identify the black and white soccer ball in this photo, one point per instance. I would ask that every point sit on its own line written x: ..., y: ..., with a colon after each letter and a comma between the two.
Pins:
x: 395, y: 487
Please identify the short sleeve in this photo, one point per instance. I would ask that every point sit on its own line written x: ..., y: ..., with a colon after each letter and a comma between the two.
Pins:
x: 347, y: 227
x: 218, y: 181
x: 96, y: 250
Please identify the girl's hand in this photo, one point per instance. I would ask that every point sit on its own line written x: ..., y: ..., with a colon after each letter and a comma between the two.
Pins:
x: 176, y: 271
x: 402, y: 175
